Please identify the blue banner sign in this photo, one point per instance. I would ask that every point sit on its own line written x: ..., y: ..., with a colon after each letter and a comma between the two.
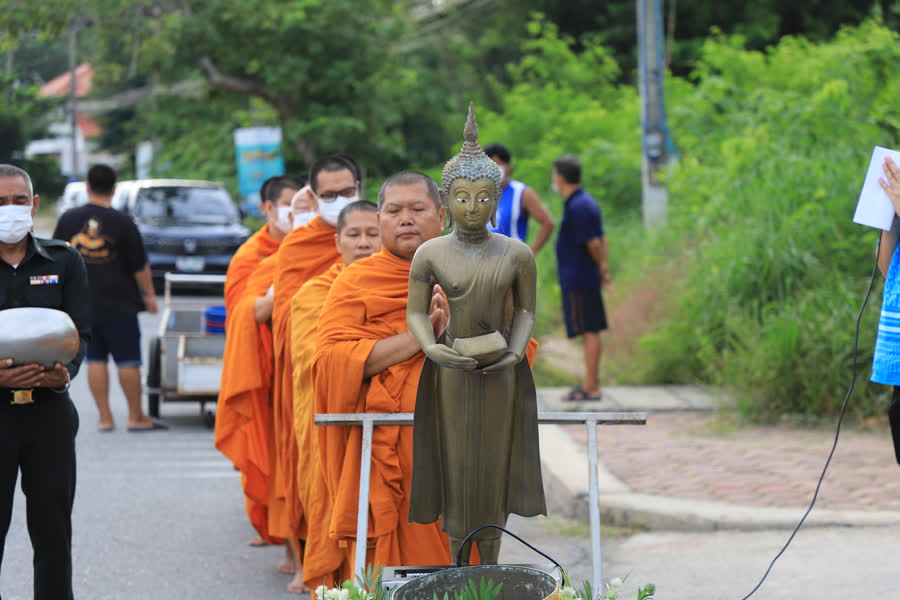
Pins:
x: 259, y: 157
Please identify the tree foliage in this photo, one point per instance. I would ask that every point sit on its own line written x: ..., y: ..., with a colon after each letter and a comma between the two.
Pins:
x: 373, y: 78
x: 22, y: 119
x: 775, y: 146
x: 773, y: 106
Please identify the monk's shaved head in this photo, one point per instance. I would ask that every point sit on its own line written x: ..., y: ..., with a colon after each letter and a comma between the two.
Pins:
x: 409, y: 213
x: 410, y: 178
x: 358, y: 234
x: 358, y: 206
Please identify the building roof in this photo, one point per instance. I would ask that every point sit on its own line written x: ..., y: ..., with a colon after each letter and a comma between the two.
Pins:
x: 59, y: 86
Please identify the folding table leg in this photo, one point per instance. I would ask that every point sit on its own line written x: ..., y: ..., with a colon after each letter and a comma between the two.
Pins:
x: 362, y: 516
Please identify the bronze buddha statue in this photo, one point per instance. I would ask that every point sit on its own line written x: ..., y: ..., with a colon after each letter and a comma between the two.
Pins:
x: 476, y: 455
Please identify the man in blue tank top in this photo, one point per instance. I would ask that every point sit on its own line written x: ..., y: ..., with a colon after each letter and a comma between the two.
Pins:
x: 517, y: 203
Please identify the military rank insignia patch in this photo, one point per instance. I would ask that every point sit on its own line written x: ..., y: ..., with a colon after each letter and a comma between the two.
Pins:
x: 44, y: 280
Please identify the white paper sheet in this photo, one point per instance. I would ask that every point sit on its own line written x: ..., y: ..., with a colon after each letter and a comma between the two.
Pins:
x: 874, y: 207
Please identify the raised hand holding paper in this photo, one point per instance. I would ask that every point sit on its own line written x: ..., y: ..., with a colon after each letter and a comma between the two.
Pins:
x: 874, y: 208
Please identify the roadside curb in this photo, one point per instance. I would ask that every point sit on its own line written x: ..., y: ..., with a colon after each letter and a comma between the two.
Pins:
x: 651, y: 399
x: 658, y: 512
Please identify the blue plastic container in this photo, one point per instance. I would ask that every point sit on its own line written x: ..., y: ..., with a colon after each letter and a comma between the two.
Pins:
x: 214, y: 320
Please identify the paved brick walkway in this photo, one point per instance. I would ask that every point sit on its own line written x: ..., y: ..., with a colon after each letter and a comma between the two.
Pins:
x: 690, y: 455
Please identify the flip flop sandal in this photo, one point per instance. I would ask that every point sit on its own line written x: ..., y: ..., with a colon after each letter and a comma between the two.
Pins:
x: 572, y: 393
x: 578, y: 394
x: 156, y: 426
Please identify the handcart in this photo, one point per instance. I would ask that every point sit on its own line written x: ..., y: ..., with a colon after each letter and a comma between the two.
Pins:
x: 184, y: 360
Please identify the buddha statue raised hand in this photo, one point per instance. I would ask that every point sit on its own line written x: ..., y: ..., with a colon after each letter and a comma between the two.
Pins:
x: 476, y: 457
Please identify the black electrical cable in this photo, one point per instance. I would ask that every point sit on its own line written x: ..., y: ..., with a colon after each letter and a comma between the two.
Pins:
x: 837, y: 433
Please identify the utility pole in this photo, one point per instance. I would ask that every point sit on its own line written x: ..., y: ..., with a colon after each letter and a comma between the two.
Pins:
x: 658, y: 150
x: 10, y: 54
x: 73, y: 108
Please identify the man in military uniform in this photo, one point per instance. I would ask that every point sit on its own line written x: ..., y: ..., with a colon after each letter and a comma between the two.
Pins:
x: 38, y: 421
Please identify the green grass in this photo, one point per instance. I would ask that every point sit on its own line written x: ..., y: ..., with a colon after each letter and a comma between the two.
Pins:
x: 573, y: 528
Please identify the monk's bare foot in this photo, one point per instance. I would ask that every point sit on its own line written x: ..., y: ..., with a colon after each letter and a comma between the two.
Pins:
x: 296, y: 586
x: 257, y: 542
x: 142, y: 421
x: 288, y: 565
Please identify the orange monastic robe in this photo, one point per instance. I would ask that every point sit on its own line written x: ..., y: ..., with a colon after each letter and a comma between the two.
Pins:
x: 260, y: 245
x: 306, y: 252
x: 244, y: 262
x: 243, y: 419
x: 324, y: 562
x: 367, y: 303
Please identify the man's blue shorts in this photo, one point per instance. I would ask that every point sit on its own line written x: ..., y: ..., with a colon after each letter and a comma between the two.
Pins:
x: 119, y: 335
x: 584, y: 312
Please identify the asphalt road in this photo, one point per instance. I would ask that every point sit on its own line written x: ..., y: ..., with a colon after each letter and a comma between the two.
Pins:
x: 160, y: 516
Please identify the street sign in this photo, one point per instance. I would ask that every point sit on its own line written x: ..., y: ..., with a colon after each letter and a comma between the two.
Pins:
x: 259, y: 157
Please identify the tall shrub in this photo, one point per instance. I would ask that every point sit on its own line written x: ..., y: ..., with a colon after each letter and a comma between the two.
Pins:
x: 775, y: 146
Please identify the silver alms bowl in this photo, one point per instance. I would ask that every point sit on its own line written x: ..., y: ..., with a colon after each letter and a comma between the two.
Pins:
x: 37, y: 335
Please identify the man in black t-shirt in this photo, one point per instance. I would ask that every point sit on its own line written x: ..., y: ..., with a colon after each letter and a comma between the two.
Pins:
x: 121, y: 287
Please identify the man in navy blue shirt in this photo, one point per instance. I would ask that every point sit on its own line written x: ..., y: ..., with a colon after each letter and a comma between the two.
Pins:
x: 581, y: 255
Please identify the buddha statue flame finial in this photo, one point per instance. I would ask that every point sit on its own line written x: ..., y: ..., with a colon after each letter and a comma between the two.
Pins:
x: 470, y: 133
x: 471, y: 163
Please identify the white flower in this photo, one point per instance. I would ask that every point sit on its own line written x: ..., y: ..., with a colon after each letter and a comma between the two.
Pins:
x: 340, y: 595
x: 568, y: 593
x: 332, y: 594
x: 321, y: 591
x: 615, y: 582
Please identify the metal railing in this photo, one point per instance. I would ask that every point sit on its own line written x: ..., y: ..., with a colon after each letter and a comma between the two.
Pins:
x: 590, y: 420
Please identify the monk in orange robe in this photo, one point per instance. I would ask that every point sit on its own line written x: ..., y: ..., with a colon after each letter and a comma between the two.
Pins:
x: 324, y: 562
x: 306, y: 252
x: 275, y: 195
x: 247, y: 377
x: 368, y: 361
x: 242, y: 381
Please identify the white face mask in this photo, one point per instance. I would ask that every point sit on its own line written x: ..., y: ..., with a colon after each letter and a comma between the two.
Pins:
x: 302, y: 218
x: 329, y: 211
x: 553, y: 186
x: 283, y: 222
x: 15, y: 223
